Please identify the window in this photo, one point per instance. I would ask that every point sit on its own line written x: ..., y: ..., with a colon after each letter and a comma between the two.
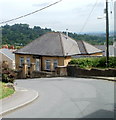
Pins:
x: 47, y: 64
x: 37, y: 65
x: 28, y: 62
x: 55, y: 64
x: 21, y: 61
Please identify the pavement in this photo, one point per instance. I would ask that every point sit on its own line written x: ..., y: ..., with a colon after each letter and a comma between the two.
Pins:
x: 107, y: 78
x: 20, y: 98
x: 100, y: 77
x: 24, y: 96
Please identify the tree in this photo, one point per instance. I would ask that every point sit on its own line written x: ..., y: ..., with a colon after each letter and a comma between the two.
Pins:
x: 22, y: 33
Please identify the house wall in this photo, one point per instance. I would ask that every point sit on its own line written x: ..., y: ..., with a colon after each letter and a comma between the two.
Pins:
x: 17, y: 59
x: 62, y: 61
x: 24, y: 71
x: 97, y: 54
x: 11, y: 63
x: 67, y: 60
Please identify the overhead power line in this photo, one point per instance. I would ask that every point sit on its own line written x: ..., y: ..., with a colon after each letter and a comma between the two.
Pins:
x: 84, y: 25
x: 30, y: 13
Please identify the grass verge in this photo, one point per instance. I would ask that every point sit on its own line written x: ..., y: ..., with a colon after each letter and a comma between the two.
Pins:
x: 5, y: 91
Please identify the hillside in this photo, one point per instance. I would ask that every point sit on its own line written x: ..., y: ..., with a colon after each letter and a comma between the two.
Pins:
x: 21, y: 34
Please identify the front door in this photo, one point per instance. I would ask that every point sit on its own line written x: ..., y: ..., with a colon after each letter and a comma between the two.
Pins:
x: 37, y: 65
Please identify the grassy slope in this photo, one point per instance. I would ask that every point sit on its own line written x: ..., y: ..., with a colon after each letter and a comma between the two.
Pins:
x: 5, y: 91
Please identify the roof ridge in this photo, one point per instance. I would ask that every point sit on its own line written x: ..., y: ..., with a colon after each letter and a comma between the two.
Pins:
x: 84, y: 46
x: 81, y: 47
x: 61, y: 44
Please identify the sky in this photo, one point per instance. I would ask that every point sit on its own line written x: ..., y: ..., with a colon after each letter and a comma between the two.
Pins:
x: 78, y: 16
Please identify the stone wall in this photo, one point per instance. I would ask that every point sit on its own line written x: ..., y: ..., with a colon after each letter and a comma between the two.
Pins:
x: 75, y: 71
x: 19, y: 74
x: 41, y: 74
x: 71, y: 71
x: 59, y: 72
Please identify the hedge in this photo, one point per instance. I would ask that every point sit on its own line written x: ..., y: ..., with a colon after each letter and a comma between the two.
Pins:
x: 96, y: 62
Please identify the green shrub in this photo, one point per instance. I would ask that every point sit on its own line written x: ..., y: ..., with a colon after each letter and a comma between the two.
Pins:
x: 112, y: 62
x: 8, y: 75
x: 99, y: 62
x: 74, y: 61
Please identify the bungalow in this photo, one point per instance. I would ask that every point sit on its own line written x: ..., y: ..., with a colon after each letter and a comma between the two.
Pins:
x: 46, y: 53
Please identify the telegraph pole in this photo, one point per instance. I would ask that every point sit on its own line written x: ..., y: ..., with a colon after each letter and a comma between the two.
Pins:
x: 107, y: 35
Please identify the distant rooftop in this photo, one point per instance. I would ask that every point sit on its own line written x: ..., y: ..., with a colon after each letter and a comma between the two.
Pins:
x: 8, y: 53
x: 112, y: 49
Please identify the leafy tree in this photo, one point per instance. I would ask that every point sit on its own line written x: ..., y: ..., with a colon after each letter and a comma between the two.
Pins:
x: 21, y: 34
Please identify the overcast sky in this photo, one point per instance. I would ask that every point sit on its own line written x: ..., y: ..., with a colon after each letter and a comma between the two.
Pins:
x: 68, y: 14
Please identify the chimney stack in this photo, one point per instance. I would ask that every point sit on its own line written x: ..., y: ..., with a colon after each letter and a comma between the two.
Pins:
x: 66, y: 33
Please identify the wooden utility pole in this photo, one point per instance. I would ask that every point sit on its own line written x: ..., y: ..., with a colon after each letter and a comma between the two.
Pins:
x: 107, y: 35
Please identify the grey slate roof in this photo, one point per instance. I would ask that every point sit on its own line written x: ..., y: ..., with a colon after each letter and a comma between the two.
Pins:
x: 8, y: 53
x: 101, y: 47
x: 57, y: 44
x: 81, y: 47
x: 51, y: 44
x: 86, y: 48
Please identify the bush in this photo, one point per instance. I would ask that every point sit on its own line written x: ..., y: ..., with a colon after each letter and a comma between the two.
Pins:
x: 99, y: 62
x: 8, y: 75
x: 102, y: 62
x: 112, y: 62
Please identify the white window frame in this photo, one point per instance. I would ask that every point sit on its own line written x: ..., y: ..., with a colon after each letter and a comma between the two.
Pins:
x: 47, y: 63
x: 21, y: 61
x: 55, y: 64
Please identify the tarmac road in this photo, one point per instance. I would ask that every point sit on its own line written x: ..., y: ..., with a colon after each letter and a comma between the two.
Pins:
x: 67, y: 98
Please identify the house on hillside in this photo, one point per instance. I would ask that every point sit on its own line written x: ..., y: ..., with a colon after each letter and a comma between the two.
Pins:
x: 112, y: 49
x: 7, y: 56
x: 48, y: 52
